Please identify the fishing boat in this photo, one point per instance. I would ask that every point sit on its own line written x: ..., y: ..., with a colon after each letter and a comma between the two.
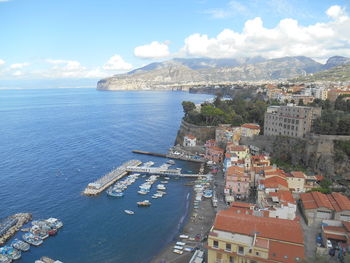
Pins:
x: 161, y: 187
x: 52, y: 232
x: 20, y: 245
x: 115, y: 194
x: 144, y: 203
x: 4, y: 259
x: 54, y: 223
x: 172, y: 162
x: 10, y: 252
x: 32, y: 239
x: 129, y: 212
x: 177, y: 251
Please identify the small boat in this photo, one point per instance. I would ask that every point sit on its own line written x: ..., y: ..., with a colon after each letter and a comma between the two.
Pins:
x: 142, y: 192
x: 178, y: 247
x: 180, y: 243
x: 32, y: 239
x: 161, y: 187
x: 144, y: 203
x: 166, y: 178
x: 172, y: 162
x: 4, y: 259
x: 188, y: 249
x: 54, y: 223
x: 183, y: 236
x: 20, y: 245
x: 115, y: 194
x: 10, y: 252
x: 52, y: 232
x: 129, y: 212
x: 164, y: 182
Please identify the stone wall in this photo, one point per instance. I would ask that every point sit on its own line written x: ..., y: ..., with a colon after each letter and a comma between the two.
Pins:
x: 202, y: 133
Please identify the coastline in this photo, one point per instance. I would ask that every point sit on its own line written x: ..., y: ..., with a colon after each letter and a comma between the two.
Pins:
x: 196, y: 222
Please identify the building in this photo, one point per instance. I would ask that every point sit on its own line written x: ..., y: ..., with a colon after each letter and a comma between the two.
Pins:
x: 237, y: 183
x: 241, y: 151
x: 250, y: 129
x: 290, y: 120
x: 214, y: 154
x: 333, y: 94
x: 238, y: 236
x: 189, y: 141
x: 317, y: 207
x: 296, y: 181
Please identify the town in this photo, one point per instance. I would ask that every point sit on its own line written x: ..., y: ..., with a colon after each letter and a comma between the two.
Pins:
x: 269, y: 214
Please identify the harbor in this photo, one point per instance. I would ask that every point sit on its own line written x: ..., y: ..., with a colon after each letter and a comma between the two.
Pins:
x: 10, y: 225
x: 174, y: 155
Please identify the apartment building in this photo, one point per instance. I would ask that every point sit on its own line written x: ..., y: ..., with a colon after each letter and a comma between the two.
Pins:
x: 290, y: 120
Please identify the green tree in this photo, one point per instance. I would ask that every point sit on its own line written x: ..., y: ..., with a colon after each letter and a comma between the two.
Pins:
x: 188, y: 106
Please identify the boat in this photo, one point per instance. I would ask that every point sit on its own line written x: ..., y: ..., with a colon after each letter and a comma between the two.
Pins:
x: 142, y: 192
x: 52, y: 232
x: 32, y: 239
x: 178, y: 247
x: 166, y: 178
x: 183, y: 236
x: 129, y: 212
x: 20, y: 245
x: 54, y: 223
x: 10, y: 252
x: 4, y: 259
x: 180, y: 243
x: 144, y: 203
x: 161, y: 187
x: 164, y: 182
x: 115, y: 194
x: 172, y: 162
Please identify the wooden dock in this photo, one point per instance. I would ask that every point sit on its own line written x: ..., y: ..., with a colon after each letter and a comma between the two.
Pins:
x: 107, y: 180
x: 171, y: 156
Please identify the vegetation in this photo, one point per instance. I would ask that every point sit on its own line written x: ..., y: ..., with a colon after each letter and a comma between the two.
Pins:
x: 235, y: 111
x: 340, y: 73
x: 287, y: 166
x: 324, y: 187
x: 335, y: 117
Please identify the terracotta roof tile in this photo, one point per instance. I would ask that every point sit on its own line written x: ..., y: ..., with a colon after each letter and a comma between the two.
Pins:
x: 342, y: 201
x: 284, y: 252
x: 275, y: 182
x: 274, y: 228
x: 251, y: 126
x: 190, y: 136
x: 298, y: 174
x: 284, y: 196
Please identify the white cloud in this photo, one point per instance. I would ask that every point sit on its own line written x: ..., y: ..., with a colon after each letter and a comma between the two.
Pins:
x: 17, y: 73
x: 70, y: 69
x: 4, y: 1
x: 287, y: 38
x: 19, y: 65
x: 117, y: 63
x: 152, y: 50
x: 2, y: 62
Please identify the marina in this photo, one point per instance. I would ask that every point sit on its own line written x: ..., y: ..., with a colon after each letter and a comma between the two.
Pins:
x: 173, y: 155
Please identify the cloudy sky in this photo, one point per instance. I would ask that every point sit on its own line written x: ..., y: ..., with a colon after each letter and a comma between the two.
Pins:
x: 67, y: 39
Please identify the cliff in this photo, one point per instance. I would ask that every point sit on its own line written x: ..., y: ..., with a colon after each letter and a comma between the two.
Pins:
x: 202, y: 133
x: 316, y: 152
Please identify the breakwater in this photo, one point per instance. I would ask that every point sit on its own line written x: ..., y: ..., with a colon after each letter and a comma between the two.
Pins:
x: 10, y: 225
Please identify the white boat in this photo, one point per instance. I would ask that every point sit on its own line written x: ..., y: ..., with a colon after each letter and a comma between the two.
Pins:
x: 183, y: 236
x: 129, y: 212
x: 178, y: 247
x: 166, y: 178
x: 180, y: 243
x: 177, y: 251
x: 164, y: 182
x: 172, y: 162
x: 161, y: 187
x: 141, y: 192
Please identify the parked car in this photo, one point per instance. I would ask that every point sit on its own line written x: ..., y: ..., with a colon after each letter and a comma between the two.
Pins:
x: 329, y: 244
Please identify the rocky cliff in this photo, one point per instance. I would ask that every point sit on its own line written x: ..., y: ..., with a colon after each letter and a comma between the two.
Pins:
x: 182, y: 73
x: 202, y: 133
x: 316, y: 153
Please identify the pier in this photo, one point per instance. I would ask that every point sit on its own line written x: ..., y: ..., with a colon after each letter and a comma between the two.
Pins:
x: 172, y: 156
x: 107, y: 180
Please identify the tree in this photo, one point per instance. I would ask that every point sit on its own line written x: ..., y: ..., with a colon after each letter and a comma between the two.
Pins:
x: 301, y: 102
x: 188, y: 106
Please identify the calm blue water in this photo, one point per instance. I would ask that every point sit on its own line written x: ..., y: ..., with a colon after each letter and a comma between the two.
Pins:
x: 54, y: 142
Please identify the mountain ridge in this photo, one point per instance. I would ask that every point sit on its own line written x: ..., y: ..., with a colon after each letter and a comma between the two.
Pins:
x: 178, y: 73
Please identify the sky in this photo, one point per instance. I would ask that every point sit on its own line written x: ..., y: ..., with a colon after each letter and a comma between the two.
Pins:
x: 92, y: 39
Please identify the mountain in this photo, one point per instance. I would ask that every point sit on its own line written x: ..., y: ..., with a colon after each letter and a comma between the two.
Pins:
x: 179, y: 73
x: 339, y: 73
x: 336, y: 61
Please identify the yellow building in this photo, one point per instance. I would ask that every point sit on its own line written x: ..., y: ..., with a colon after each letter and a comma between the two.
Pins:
x: 237, y: 236
x: 296, y: 182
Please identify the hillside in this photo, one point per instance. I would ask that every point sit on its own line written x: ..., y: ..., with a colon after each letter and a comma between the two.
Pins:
x: 339, y: 73
x: 180, y: 73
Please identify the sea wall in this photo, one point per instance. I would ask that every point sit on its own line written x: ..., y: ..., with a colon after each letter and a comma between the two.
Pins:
x: 202, y: 133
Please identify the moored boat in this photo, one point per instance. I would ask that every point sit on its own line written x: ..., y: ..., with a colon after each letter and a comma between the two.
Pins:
x: 4, y: 259
x: 161, y: 187
x: 20, y: 245
x: 144, y: 203
x: 32, y: 239
x: 10, y: 252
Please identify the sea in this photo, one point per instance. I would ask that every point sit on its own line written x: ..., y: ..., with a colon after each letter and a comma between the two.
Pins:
x: 53, y: 142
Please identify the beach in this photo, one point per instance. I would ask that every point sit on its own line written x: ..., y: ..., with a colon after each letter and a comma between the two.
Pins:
x: 198, y: 225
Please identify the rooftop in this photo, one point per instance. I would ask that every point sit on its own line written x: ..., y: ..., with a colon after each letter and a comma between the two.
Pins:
x: 333, y: 201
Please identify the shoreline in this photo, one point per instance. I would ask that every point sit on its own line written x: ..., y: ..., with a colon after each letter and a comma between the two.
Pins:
x: 196, y: 223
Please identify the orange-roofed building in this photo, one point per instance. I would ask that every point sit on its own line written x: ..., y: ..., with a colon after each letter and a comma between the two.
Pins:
x: 260, y: 161
x: 241, y: 151
x: 273, y: 184
x: 239, y: 236
x: 214, y: 154
x: 250, y: 129
x: 318, y: 206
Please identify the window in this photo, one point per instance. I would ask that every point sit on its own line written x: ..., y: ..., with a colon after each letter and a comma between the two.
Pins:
x: 215, y: 244
x: 250, y: 251
x: 228, y: 247
x: 240, y: 250
x: 257, y: 253
x: 232, y: 259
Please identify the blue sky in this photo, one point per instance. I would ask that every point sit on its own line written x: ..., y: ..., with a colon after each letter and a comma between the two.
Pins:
x: 53, y: 39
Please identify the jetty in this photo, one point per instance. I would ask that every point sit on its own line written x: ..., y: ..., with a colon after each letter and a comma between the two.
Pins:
x: 107, y: 180
x: 48, y: 260
x: 10, y: 225
x: 189, y: 158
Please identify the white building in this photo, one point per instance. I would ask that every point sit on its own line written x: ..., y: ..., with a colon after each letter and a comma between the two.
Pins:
x: 190, y: 141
